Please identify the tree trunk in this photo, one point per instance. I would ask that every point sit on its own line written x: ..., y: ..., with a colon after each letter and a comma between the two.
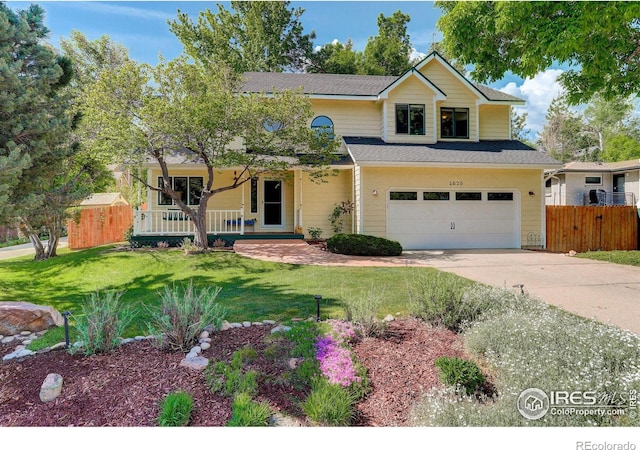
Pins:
x: 200, y: 230
x: 33, y: 236
x: 52, y: 246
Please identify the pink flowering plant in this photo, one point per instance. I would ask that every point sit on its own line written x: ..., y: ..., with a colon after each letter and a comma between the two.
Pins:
x: 344, y: 332
x: 335, y: 361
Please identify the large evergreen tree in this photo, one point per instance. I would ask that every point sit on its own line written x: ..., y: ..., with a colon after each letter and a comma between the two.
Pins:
x: 388, y: 53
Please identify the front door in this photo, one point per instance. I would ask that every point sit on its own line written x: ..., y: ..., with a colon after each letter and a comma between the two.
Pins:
x: 618, y: 190
x: 272, y: 203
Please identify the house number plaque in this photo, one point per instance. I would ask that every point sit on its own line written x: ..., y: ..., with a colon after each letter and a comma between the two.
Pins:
x: 455, y: 183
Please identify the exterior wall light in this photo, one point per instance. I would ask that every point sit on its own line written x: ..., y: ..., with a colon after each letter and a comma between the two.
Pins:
x: 532, y: 194
x: 374, y: 193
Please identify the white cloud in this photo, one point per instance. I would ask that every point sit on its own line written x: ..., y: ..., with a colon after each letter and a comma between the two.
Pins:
x: 115, y: 9
x: 415, y: 55
x: 538, y: 92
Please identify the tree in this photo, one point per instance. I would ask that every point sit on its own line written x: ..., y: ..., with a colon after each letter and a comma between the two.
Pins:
x: 616, y: 129
x: 193, y: 111
x: 389, y: 52
x: 35, y: 123
x: 519, y: 130
x: 564, y: 134
x: 335, y: 58
x: 253, y: 36
x: 600, y: 41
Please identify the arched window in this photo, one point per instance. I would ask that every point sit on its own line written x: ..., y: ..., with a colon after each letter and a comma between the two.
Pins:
x: 322, y: 124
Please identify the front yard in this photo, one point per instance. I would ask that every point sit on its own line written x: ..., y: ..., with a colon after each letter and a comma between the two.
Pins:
x: 518, y: 342
x: 630, y: 258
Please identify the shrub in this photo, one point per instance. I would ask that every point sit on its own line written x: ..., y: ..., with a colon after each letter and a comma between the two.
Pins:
x: 363, y: 309
x: 102, y: 322
x: 303, y: 337
x: 249, y: 413
x: 329, y: 404
x: 460, y: 372
x: 440, y: 300
x: 176, y: 410
x: 363, y: 245
x: 315, y: 233
x: 184, y: 312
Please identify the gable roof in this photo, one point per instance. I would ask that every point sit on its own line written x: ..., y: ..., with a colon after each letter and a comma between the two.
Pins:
x: 373, y: 151
x: 107, y: 198
x: 372, y: 86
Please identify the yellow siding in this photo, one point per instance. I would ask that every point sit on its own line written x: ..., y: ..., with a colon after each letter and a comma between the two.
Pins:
x: 411, y: 91
x: 458, y: 94
x: 384, y: 179
x: 351, y: 117
x: 494, y: 122
x: 319, y: 199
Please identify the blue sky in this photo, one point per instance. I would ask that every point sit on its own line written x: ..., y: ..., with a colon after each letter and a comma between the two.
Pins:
x: 141, y: 26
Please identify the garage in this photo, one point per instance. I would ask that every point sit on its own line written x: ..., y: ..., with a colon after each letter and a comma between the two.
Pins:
x: 453, y: 219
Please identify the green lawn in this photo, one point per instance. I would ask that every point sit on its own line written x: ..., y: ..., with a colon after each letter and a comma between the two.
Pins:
x: 631, y: 258
x: 251, y: 289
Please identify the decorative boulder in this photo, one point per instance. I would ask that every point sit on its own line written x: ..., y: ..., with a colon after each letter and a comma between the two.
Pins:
x: 20, y: 316
x: 51, y: 387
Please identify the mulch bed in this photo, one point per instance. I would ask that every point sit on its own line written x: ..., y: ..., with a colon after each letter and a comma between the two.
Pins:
x: 125, y: 387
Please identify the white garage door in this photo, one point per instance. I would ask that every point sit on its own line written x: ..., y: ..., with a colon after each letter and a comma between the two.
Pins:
x: 446, y: 219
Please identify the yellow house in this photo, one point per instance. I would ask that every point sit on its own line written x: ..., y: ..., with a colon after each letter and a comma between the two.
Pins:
x: 427, y: 159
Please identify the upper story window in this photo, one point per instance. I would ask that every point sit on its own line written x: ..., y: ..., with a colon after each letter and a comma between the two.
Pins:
x: 322, y: 124
x: 593, y: 180
x: 410, y: 119
x: 454, y: 123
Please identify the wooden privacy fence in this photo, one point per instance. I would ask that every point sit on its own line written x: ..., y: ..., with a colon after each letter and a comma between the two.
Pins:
x: 584, y: 228
x: 100, y: 226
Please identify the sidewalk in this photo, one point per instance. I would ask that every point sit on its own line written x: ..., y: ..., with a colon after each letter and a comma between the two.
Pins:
x: 25, y: 249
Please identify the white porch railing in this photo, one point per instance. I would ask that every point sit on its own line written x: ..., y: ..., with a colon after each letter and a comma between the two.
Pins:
x: 175, y: 222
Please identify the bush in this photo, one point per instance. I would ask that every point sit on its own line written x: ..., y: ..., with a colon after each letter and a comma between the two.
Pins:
x: 102, y: 322
x: 249, y: 413
x: 185, y: 311
x: 329, y: 404
x: 442, y: 299
x: 363, y: 245
x: 176, y: 410
x: 363, y: 309
x: 460, y: 372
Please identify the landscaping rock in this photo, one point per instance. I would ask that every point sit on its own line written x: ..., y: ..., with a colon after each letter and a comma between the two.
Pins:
x: 204, y: 335
x: 269, y: 322
x: 195, y: 363
x: 225, y: 326
x: 205, y: 346
x: 18, y: 353
x: 51, y: 387
x: 16, y: 317
x: 58, y: 346
x: 246, y: 324
x: 8, y: 339
x: 388, y: 318
x: 280, y: 329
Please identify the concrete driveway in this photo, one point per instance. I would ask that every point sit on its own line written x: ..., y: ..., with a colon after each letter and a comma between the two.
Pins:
x: 598, y: 290
x: 604, y: 291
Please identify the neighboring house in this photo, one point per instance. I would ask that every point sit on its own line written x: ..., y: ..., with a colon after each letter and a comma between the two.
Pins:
x: 102, y: 200
x: 594, y: 183
x: 427, y: 159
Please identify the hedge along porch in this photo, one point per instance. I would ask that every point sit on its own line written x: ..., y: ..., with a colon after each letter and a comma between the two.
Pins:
x: 266, y: 205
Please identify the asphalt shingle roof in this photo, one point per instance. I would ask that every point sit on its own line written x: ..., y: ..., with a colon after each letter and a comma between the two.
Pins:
x: 337, y: 84
x: 374, y: 150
